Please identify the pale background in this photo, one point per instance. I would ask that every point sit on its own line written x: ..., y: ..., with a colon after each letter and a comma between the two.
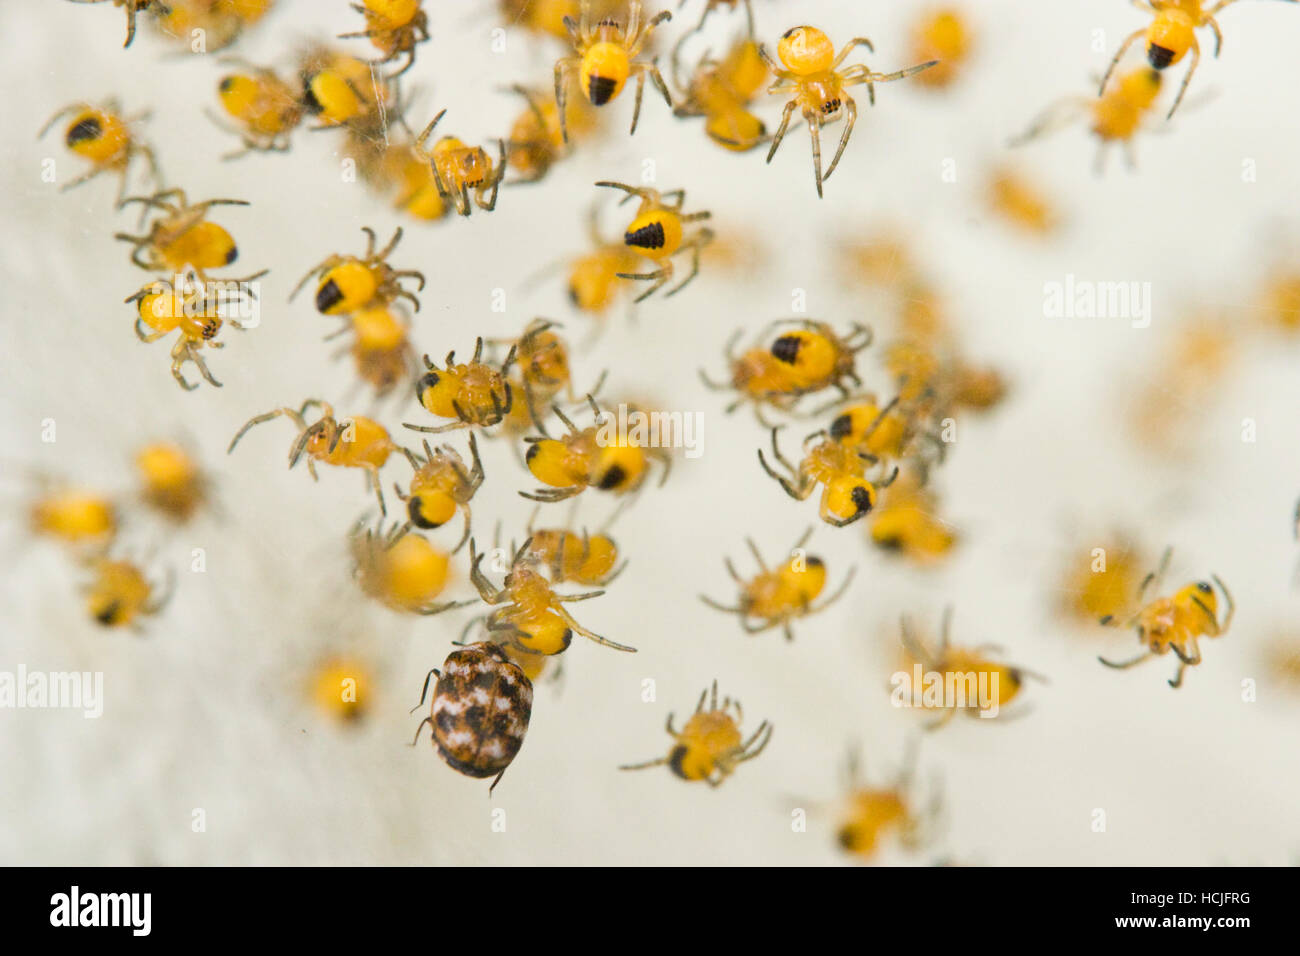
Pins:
x: 208, y: 710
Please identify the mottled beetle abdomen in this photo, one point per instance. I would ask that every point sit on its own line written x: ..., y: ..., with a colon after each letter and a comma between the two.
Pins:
x: 481, y: 706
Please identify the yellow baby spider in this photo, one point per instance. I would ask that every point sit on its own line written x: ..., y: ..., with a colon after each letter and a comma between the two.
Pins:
x: 473, y: 393
x: 658, y: 233
x: 119, y: 594
x: 356, y: 442
x: 812, y: 74
x: 85, y: 520
x: 722, y: 91
x: 575, y: 556
x: 401, y: 570
x: 586, y: 458
x: 1171, y: 34
x: 942, y: 35
x: 980, y: 684
x: 347, y: 283
x: 710, y: 746
x: 103, y: 137
x: 264, y: 107
x: 776, y: 597
x: 603, y: 59
x: 394, y: 27
x: 381, y: 348
x: 847, y: 493
x: 172, y: 482
x: 441, y: 486
x: 1117, y: 115
x: 342, y: 687
x: 463, y: 172
x: 535, y: 143
x: 528, y: 612
x: 1175, y: 623
x: 805, y: 357
x: 905, y: 521
x: 872, y: 814
x: 182, y: 239
x: 196, y: 311
x: 542, y: 372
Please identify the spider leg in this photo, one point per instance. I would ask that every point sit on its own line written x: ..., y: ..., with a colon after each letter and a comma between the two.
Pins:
x: 850, y: 118
x: 814, y: 133
x: 195, y: 357
x: 325, y: 264
x: 563, y: 70
x: 658, y: 80
x: 1123, y: 48
x: 1120, y: 665
x: 795, y: 491
x: 1187, y: 77
x: 658, y: 279
x: 765, y: 732
x: 496, y: 180
x: 850, y: 47
x: 696, y: 245
x: 642, y: 766
x: 636, y: 101
x: 780, y: 130
x: 372, y: 477
x: 258, y: 420
x: 179, y: 375
x: 591, y: 635
x: 1056, y: 116
x: 719, y: 606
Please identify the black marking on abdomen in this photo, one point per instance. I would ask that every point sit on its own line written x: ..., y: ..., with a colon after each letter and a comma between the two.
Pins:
x: 600, y: 90
x: 87, y: 129
x: 1159, y: 56
x: 328, y: 296
x: 413, y: 508
x: 647, y: 237
x: 786, y: 349
x: 309, y: 97
x: 676, y: 759
x: 613, y: 478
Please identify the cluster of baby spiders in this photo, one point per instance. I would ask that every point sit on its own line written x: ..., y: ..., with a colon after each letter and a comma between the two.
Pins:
x: 184, y: 245
x: 1120, y: 111
x: 181, y: 244
x: 119, y: 589
x: 873, y: 457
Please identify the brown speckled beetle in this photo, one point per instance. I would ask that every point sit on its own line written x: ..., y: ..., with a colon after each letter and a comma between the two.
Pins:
x: 480, y: 711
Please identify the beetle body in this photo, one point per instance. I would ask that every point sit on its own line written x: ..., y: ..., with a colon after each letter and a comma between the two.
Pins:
x: 480, y: 711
